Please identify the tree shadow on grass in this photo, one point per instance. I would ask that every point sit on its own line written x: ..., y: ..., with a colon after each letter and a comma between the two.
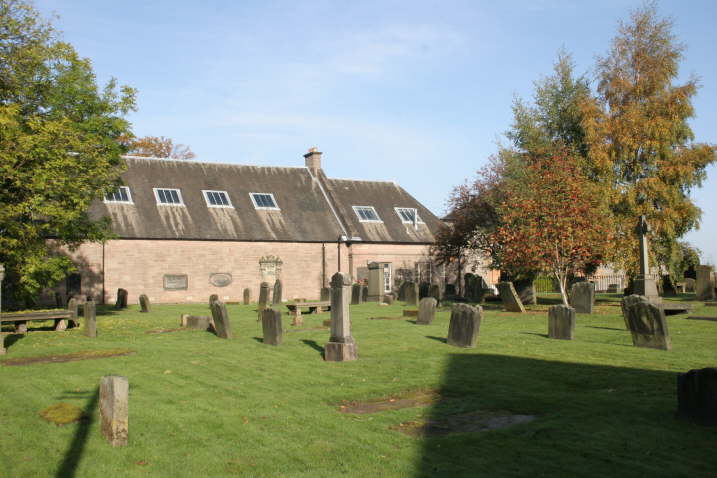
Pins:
x: 73, y: 455
x: 314, y: 345
x: 10, y: 339
x: 439, y: 339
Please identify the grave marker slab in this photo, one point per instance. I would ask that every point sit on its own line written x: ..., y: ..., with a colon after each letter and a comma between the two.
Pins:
x: 411, y: 293
x: 144, y: 304
x: 464, y: 326
x: 263, y: 299
x: 388, y: 299
x: 356, y: 297
x: 561, y: 322
x: 582, y: 297
x: 247, y: 296
x: 121, y: 302
x: 213, y: 298
x: 697, y: 396
x: 525, y: 288
x: 271, y: 326
x: 199, y: 322
x: 510, y: 298
x: 325, y: 294
x: 278, y: 292
x: 90, y: 329
x: 648, y: 326
x: 222, y: 326
x: 435, y: 291
x: 341, y: 346
x: 114, y: 409
x: 426, y: 311
x: 364, y: 293
x: 704, y: 285
x: 628, y: 301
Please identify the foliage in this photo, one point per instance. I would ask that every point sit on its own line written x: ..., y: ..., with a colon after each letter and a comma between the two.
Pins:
x: 640, y: 145
x: 553, y: 219
x: 158, y: 147
x: 59, y: 147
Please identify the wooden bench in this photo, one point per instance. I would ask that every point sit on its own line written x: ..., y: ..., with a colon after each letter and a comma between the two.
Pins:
x: 313, y: 307
x: 60, y: 316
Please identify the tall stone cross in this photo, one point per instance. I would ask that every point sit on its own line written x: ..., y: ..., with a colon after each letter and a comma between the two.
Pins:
x: 642, y: 229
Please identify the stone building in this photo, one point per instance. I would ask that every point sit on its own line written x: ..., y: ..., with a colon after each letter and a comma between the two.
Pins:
x: 186, y: 230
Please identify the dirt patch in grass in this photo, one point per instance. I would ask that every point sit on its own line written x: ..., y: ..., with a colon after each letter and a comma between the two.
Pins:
x: 166, y: 331
x: 73, y: 357
x: 386, y: 318
x: 62, y: 413
x: 420, y: 398
x: 467, y: 423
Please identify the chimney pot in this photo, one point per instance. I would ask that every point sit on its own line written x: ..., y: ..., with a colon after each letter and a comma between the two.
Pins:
x: 313, y: 160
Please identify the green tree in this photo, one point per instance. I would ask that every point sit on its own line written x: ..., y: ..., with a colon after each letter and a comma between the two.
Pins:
x: 59, y: 148
x: 640, y: 144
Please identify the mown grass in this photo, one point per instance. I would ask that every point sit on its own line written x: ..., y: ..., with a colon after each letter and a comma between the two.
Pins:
x: 202, y: 406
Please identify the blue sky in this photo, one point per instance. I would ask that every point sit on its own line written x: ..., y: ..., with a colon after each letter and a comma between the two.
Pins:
x: 415, y: 91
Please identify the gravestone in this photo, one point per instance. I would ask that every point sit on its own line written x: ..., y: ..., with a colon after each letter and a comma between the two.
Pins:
x: 402, y: 290
x: 626, y: 303
x: 247, y: 296
x: 465, y: 325
x: 341, y: 346
x: 426, y: 311
x: 114, y: 409
x: 470, y: 284
x: 388, y: 299
x: 423, y: 289
x: 689, y: 284
x: 435, y: 292
x: 144, y: 303
x: 356, y: 297
x: 278, y: 292
x: 510, y: 298
x: 697, y: 396
x: 271, y: 326
x: 704, y: 285
x: 612, y: 288
x: 411, y: 293
x: 263, y: 299
x: 450, y: 290
x: 121, y: 299
x: 645, y: 284
x: 213, y: 298
x: 668, y: 287
x: 222, y: 326
x: 325, y: 294
x: 90, y: 329
x: 561, y: 322
x: 73, y: 306
x: 377, y: 272
x: 525, y: 288
x: 364, y: 293
x: 648, y: 325
x: 199, y: 322
x: 582, y: 297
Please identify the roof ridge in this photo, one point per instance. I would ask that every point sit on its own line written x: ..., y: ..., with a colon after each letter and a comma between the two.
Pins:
x: 210, y: 163
x: 392, y: 181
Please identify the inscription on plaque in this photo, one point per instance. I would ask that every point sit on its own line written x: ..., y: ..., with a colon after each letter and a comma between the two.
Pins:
x: 175, y: 282
x: 220, y: 279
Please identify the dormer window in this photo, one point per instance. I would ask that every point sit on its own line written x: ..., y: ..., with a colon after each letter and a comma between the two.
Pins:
x: 217, y: 199
x: 121, y: 195
x: 366, y: 214
x: 408, y: 215
x: 263, y: 201
x: 168, y: 197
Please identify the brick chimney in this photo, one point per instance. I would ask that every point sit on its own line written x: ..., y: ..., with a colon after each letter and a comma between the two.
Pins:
x: 313, y: 160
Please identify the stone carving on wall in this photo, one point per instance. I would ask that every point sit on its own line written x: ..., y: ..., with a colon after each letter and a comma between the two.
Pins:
x: 175, y: 282
x: 270, y: 268
x: 220, y: 279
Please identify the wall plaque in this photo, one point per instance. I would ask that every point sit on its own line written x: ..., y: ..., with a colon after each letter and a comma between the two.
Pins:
x: 175, y: 282
x: 220, y: 279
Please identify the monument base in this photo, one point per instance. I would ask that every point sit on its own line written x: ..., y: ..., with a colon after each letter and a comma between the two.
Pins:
x: 647, y: 288
x: 340, y: 352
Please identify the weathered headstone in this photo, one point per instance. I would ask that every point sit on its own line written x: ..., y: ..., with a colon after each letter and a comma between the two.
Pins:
x: 426, y: 311
x: 325, y: 294
x: 648, y: 325
x: 199, y: 322
x: 510, y: 298
x: 704, y: 285
x: 435, y: 292
x: 341, y: 346
x: 582, y: 297
x: 213, y: 298
x: 121, y: 302
x: 525, y: 288
x: 388, y: 299
x: 278, y: 292
x: 697, y: 396
x: 470, y: 285
x: 645, y: 284
x: 450, y: 290
x: 689, y: 284
x: 271, y: 326
x: 144, y: 303
x: 411, y: 293
x: 423, y: 289
x: 668, y: 286
x: 263, y: 299
x: 90, y: 329
x: 247, y: 296
x: 402, y: 290
x: 73, y: 307
x: 364, y: 293
x: 376, y: 281
x: 114, y: 409
x: 356, y: 297
x: 626, y: 303
x: 561, y: 322
x: 465, y: 325
x: 222, y: 326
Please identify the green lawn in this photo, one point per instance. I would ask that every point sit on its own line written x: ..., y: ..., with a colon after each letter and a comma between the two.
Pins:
x: 203, y: 406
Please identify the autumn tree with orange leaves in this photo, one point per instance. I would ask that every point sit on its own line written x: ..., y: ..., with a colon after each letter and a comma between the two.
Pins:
x: 158, y: 147
x: 553, y: 219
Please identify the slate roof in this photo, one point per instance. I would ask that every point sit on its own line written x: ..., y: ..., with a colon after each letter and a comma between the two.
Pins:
x: 304, y: 214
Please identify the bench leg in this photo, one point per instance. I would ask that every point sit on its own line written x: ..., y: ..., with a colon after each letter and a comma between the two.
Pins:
x: 2, y: 344
x: 21, y: 327
x: 298, y: 318
x: 60, y: 325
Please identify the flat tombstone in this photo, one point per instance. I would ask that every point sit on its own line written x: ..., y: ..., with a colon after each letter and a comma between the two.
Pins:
x: 271, y: 325
x: 356, y: 297
x: 90, y: 319
x: 435, y: 291
x: 627, y: 302
x: 325, y: 294
x: 561, y: 322
x: 278, y: 292
x: 582, y: 297
x: 341, y: 346
x: 247, y: 296
x: 426, y: 311
x: 114, y: 409
x: 263, y: 299
x: 704, y: 285
x: 221, y: 320
x: 411, y: 293
x: 697, y: 396
x: 510, y: 298
x: 199, y: 322
x: 144, y: 303
x: 648, y: 326
x: 121, y: 299
x: 465, y: 325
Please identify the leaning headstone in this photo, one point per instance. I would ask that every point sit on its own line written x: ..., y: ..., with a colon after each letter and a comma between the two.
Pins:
x: 525, y: 289
x: 144, y: 303
x: 263, y: 299
x: 411, y: 293
x: 356, y: 297
x: 628, y: 301
x: 278, y: 292
x: 426, y: 311
x: 247, y: 296
x: 90, y: 319
x: 341, y: 346
x: 510, y: 298
x: 114, y: 409
x: 271, y: 326
x: 388, y: 299
x: 582, y: 297
x: 648, y: 326
x: 561, y: 322
x: 325, y: 294
x: 213, y: 298
x: 704, y: 285
x: 435, y: 291
x: 221, y: 320
x: 121, y: 299
x: 697, y: 396
x: 465, y: 325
